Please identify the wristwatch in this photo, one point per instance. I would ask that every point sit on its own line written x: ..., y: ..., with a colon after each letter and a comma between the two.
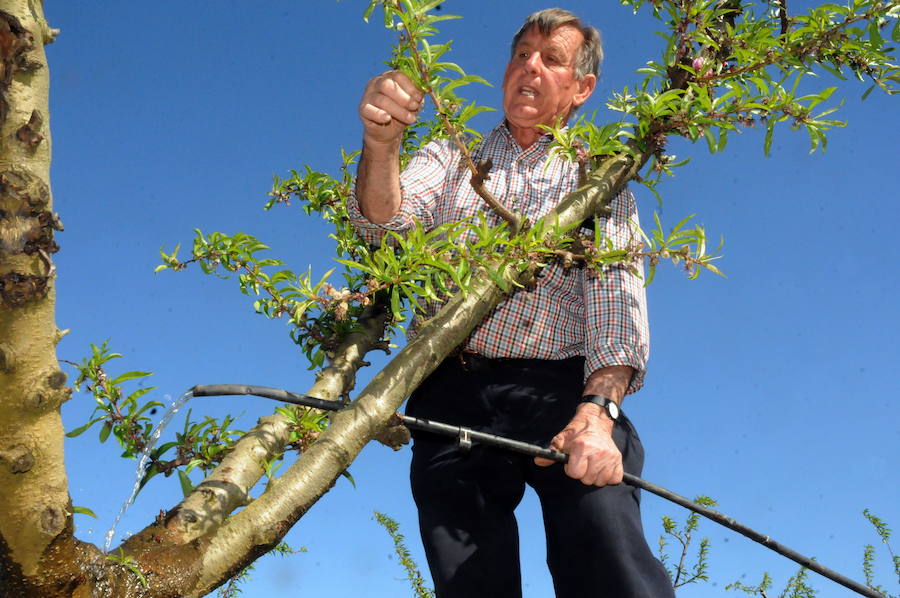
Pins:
x: 608, y: 405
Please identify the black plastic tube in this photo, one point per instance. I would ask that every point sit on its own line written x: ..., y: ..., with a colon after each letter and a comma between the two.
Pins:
x: 466, y: 437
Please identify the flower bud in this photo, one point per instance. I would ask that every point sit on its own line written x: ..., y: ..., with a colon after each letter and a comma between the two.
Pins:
x: 698, y: 63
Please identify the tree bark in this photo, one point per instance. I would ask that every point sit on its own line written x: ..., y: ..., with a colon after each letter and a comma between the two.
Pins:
x: 34, y: 500
x: 228, y: 486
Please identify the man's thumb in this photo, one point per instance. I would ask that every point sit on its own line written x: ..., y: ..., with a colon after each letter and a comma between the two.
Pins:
x: 556, y: 443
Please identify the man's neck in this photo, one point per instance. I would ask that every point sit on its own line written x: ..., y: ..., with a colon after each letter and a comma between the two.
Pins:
x: 524, y: 136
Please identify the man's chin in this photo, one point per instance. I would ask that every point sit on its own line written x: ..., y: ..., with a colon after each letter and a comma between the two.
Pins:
x: 524, y: 118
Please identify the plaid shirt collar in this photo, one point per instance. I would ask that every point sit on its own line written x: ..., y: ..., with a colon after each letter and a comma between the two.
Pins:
x: 536, y: 152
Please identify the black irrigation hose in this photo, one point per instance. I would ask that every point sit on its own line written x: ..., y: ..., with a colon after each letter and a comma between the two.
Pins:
x: 467, y: 437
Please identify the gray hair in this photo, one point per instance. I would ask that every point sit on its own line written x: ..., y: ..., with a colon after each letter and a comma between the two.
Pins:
x: 590, y: 53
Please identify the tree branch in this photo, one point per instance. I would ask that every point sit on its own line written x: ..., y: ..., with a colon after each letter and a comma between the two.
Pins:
x: 264, y: 522
x: 229, y: 485
x: 479, y: 172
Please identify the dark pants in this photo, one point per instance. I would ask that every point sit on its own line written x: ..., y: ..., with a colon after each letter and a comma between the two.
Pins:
x: 595, y: 542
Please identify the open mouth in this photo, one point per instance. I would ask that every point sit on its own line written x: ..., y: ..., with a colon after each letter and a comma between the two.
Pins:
x: 528, y: 91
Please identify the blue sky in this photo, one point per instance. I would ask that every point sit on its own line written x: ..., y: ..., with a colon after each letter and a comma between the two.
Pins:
x: 773, y: 390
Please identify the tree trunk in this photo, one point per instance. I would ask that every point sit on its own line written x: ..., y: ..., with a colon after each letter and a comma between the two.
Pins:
x: 34, y: 500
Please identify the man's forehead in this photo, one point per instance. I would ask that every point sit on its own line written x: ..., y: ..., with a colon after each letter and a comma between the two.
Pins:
x: 561, y: 35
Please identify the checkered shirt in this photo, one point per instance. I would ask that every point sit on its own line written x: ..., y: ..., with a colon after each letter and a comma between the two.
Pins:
x: 569, y: 312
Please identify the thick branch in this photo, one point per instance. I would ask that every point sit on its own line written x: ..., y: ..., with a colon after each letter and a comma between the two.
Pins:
x: 228, y: 486
x: 264, y: 522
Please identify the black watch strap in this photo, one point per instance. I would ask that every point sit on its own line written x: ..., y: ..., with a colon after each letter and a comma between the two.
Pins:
x: 608, y: 405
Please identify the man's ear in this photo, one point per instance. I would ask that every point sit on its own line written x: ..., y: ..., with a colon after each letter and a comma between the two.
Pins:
x: 586, y: 87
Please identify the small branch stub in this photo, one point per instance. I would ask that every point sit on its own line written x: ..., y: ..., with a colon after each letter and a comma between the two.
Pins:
x: 480, y: 174
x: 26, y: 227
x: 395, y: 435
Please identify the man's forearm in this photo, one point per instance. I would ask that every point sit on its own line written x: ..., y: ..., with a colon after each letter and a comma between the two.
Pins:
x: 610, y: 382
x: 378, y: 181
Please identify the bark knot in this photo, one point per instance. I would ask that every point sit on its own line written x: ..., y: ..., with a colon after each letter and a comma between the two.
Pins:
x: 56, y: 379
x: 7, y: 358
x: 53, y: 520
x: 18, y: 458
x: 28, y: 133
x: 15, y: 44
x: 17, y: 289
x: 26, y: 226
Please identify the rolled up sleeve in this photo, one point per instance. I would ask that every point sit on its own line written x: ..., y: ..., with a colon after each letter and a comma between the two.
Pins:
x: 616, y: 327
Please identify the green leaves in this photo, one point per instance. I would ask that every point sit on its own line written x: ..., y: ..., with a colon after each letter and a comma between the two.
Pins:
x: 83, y: 511
x: 129, y: 563
x: 413, y: 574
x: 186, y: 485
x: 584, y: 141
x: 683, y: 246
x: 884, y: 532
x: 122, y: 415
x: 683, y: 573
x: 431, y: 265
x: 724, y: 71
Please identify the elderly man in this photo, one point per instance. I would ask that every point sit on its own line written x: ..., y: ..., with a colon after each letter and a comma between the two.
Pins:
x: 550, y: 364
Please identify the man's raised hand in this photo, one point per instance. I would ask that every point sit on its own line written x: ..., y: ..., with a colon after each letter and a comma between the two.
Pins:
x: 389, y: 104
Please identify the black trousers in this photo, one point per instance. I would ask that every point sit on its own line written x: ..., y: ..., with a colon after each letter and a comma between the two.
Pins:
x: 595, y: 541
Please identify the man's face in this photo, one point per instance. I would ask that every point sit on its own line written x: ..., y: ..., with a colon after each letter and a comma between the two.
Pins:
x: 539, y: 83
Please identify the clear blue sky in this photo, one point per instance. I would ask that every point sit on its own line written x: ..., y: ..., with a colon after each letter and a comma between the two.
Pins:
x: 773, y: 390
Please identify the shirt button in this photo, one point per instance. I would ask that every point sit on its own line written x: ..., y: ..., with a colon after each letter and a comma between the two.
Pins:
x: 526, y: 323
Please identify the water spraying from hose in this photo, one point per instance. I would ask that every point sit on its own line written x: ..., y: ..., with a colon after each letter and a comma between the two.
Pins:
x: 143, y: 459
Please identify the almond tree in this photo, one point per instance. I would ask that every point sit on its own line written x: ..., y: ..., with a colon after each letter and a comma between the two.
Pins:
x: 725, y: 67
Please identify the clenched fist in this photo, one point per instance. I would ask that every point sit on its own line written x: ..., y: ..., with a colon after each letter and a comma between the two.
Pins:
x: 594, y: 458
x: 389, y: 104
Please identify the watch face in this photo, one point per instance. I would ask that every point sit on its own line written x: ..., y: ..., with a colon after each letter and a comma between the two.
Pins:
x: 612, y: 409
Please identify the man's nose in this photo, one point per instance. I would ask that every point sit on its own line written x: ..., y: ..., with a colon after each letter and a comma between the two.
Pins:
x: 533, y: 62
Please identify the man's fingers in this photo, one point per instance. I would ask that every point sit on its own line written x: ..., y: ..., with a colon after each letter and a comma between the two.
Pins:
x: 389, y: 104
x: 578, y: 464
x: 577, y: 467
x: 618, y: 475
x: 557, y: 443
x: 603, y: 474
x: 398, y: 111
x: 374, y: 114
x: 396, y: 87
x: 382, y: 111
